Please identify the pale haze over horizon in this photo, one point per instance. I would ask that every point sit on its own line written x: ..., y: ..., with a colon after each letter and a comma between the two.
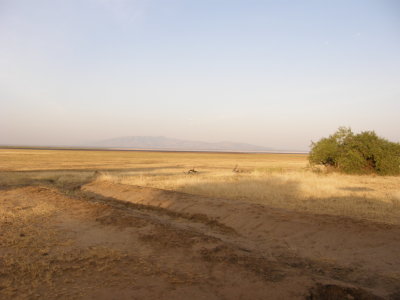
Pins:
x: 271, y: 73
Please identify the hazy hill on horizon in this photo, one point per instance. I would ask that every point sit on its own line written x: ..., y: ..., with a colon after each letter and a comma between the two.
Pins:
x: 165, y: 143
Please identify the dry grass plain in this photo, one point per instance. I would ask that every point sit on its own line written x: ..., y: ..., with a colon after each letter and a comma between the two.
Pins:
x: 277, y: 180
x: 135, y: 225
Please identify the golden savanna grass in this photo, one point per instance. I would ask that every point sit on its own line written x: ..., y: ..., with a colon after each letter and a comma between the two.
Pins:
x: 277, y: 180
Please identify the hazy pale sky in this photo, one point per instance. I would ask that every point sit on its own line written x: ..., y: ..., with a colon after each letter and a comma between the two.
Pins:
x: 271, y: 73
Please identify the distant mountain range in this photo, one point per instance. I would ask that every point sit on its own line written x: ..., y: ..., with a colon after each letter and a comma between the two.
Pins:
x: 165, y: 143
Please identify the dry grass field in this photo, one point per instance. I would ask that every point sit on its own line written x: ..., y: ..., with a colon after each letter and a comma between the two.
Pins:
x: 277, y: 180
x: 360, y: 197
x: 136, y: 225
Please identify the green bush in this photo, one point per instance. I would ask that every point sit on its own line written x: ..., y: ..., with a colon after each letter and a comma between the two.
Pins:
x: 357, y: 153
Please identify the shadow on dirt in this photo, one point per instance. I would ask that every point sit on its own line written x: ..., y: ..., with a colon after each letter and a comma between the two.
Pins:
x: 356, y: 189
x: 336, y: 292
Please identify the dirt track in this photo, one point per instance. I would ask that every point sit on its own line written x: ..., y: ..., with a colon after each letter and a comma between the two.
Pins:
x: 108, y: 241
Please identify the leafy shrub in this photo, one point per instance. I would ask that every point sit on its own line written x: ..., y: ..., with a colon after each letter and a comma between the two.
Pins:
x: 357, y: 153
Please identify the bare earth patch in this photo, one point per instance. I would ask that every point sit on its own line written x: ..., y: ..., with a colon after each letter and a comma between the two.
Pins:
x: 112, y: 241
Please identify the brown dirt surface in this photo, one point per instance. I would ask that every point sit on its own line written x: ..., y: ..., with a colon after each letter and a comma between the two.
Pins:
x: 112, y: 241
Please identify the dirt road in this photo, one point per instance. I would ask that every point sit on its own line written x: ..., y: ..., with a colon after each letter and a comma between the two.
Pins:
x: 108, y: 241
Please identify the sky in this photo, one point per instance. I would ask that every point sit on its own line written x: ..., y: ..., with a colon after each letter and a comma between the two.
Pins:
x: 272, y: 73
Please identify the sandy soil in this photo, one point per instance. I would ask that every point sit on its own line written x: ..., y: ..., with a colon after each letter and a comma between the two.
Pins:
x: 111, y: 241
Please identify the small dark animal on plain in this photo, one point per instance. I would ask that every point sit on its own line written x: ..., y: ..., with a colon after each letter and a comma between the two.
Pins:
x: 192, y: 171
